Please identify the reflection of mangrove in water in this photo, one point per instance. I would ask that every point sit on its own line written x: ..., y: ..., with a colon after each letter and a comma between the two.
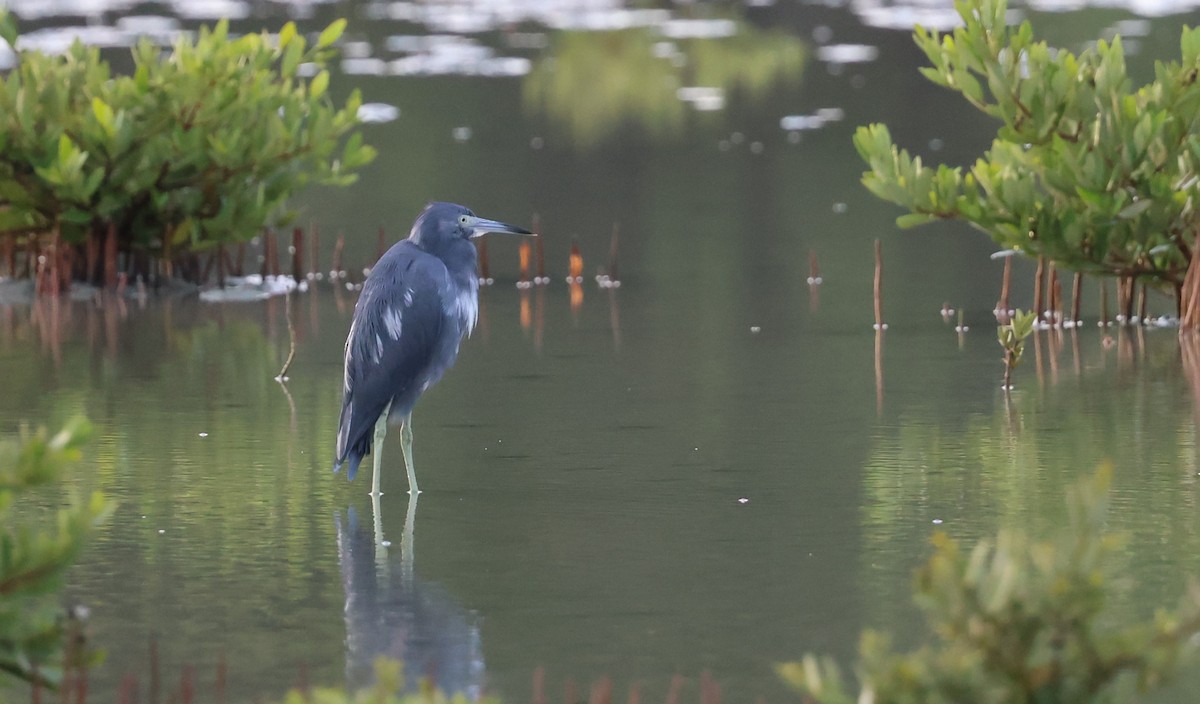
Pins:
x: 390, y: 612
x: 101, y: 343
x: 1055, y: 355
x: 1012, y: 466
x: 593, y: 83
x: 151, y: 330
x: 214, y: 488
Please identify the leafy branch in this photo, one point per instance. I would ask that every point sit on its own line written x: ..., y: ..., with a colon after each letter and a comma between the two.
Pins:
x: 32, y: 561
x: 1017, y: 621
x: 205, y: 144
x: 1085, y: 170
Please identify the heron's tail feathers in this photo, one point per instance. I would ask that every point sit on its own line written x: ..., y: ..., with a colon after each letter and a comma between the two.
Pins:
x: 351, y: 450
x: 356, y: 429
x: 354, y: 456
x: 355, y: 460
x: 353, y: 441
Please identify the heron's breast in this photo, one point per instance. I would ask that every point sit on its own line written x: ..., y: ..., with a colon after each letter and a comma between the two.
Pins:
x: 463, y: 306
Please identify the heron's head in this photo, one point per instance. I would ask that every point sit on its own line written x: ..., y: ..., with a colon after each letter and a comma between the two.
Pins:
x: 440, y: 225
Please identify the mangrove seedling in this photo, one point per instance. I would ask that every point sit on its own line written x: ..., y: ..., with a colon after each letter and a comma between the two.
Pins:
x: 1012, y: 338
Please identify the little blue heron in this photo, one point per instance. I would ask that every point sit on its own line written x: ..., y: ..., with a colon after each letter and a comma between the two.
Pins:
x: 416, y: 306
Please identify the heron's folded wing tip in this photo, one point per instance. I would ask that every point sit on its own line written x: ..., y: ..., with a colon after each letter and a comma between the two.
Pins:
x: 352, y: 470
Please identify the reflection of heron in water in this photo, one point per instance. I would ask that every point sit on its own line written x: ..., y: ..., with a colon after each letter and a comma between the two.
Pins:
x: 389, y: 612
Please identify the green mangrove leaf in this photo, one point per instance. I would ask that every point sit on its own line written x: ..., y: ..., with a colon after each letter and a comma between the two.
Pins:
x: 104, y: 115
x: 291, y: 57
x: 331, y: 33
x: 8, y: 28
x: 182, y: 232
x: 11, y: 219
x: 913, y: 219
x: 66, y: 149
x: 286, y: 34
x: 318, y: 85
x: 1189, y: 45
x: 1134, y: 209
x: 77, y: 216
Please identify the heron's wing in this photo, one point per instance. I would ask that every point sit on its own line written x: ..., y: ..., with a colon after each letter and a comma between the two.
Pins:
x: 399, y: 327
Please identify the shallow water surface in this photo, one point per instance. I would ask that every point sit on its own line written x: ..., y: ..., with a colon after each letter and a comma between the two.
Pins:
x: 635, y: 508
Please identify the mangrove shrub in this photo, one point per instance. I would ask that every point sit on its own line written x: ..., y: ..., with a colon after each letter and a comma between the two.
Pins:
x: 1085, y: 170
x: 1018, y: 621
x: 201, y: 145
x: 33, y: 558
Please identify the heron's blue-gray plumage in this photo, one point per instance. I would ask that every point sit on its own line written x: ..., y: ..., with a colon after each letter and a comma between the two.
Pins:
x: 418, y: 303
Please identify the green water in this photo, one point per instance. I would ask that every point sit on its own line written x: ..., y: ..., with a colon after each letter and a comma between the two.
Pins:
x: 584, y: 466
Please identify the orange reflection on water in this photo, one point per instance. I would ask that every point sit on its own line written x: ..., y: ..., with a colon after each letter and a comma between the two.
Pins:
x: 526, y: 311
x: 525, y: 255
x: 576, y: 292
x: 575, y: 264
x: 1053, y: 347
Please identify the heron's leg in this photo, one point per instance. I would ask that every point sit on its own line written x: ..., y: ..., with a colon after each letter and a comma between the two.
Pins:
x: 406, y: 437
x: 407, y: 545
x: 377, y: 448
x: 381, y: 551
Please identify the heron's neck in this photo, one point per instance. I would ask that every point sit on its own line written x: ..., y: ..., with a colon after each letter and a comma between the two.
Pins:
x: 461, y: 261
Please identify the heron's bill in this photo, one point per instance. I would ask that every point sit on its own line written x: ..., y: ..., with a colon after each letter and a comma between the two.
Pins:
x: 482, y: 226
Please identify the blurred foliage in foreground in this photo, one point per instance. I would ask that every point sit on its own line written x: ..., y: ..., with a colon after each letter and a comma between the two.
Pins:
x: 1017, y: 621
x: 388, y: 688
x: 1085, y: 170
x: 32, y: 560
x: 201, y: 145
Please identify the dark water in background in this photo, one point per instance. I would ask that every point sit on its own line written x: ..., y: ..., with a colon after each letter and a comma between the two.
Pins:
x: 583, y: 465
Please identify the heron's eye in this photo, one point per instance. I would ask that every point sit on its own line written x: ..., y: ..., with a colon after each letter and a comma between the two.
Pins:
x: 462, y: 219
